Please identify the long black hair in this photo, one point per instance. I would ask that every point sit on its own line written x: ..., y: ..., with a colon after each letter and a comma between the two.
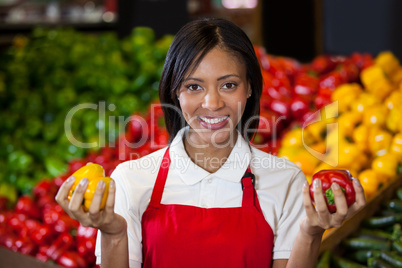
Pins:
x: 192, y: 42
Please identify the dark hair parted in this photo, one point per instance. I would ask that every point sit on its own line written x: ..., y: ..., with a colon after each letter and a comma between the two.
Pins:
x: 193, y: 41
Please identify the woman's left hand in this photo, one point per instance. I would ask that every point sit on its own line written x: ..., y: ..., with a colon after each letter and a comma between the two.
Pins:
x: 319, y: 218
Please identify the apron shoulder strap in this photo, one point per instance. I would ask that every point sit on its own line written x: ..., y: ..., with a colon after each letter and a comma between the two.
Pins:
x: 250, y: 198
x: 160, y: 180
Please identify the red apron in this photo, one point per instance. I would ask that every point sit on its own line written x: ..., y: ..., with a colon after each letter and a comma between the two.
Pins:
x: 189, y: 236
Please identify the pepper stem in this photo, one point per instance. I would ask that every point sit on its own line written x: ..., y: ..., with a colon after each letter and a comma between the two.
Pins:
x: 330, y: 195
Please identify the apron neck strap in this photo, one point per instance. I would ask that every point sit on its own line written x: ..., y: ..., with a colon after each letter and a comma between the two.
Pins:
x: 248, y: 183
x: 160, y: 180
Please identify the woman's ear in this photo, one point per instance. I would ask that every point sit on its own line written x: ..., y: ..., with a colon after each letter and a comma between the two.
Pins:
x: 249, y: 92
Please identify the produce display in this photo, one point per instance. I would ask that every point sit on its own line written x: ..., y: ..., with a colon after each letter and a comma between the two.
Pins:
x: 377, y: 243
x: 45, y: 77
x: 294, y: 92
x: 359, y: 131
x: 339, y: 112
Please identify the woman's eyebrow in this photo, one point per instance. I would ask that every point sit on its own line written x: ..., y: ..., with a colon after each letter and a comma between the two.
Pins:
x: 193, y: 78
x: 227, y: 76
x: 220, y: 78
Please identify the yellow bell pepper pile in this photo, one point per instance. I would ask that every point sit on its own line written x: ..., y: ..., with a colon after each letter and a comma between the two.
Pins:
x: 361, y: 130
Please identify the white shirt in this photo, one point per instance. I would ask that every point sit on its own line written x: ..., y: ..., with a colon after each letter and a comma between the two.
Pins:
x: 279, y: 185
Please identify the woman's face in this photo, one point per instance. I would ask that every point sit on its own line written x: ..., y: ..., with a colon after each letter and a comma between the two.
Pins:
x: 213, y: 98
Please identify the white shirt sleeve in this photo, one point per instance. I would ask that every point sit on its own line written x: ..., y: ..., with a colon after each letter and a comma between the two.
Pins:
x: 122, y: 207
x: 289, y: 222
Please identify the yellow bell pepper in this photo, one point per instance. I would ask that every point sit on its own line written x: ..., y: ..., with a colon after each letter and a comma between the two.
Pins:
x: 94, y: 173
x: 319, y: 147
x: 394, y: 100
x: 323, y: 166
x: 396, y: 77
x: 317, y: 130
x: 346, y: 94
x: 348, y: 121
x: 363, y: 102
x: 379, y: 141
x: 371, y: 181
x: 381, y: 89
x: 396, y: 146
x: 306, y: 161
x: 288, y: 152
x: 375, y: 116
x: 371, y: 75
x: 297, y: 137
x: 387, y: 164
x: 347, y: 156
x: 388, y: 62
x: 393, y: 121
x: 360, y: 137
x: 334, y: 138
x: 376, y: 82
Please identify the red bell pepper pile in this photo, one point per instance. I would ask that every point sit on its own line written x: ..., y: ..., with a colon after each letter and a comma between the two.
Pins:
x: 37, y: 225
x: 293, y: 91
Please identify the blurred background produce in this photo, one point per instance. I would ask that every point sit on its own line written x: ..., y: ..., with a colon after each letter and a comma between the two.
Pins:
x: 79, y: 82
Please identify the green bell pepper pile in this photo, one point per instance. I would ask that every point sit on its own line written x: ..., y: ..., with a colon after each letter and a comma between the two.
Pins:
x: 44, y: 76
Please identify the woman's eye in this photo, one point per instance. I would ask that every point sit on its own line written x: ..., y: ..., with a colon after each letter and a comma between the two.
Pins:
x: 193, y: 87
x: 229, y: 85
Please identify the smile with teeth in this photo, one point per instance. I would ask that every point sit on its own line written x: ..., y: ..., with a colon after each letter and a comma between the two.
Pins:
x: 213, y: 120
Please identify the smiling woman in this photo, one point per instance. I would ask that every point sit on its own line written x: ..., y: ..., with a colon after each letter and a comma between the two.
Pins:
x: 213, y: 97
x: 224, y: 207
x: 208, y: 41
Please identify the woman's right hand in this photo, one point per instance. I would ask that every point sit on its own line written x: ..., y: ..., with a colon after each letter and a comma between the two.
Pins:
x: 106, y: 220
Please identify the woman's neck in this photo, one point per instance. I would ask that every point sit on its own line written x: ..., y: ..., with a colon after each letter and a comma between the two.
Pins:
x: 208, y: 156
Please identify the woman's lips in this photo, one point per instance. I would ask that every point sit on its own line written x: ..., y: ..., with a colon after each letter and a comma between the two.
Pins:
x: 213, y: 123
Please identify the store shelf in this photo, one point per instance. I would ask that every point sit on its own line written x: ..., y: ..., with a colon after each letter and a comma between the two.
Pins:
x: 10, y: 259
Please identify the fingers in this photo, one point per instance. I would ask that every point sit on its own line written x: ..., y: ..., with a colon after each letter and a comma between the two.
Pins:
x: 62, y: 194
x: 75, y: 205
x: 340, y: 203
x: 97, y: 200
x: 320, y: 203
x: 109, y: 208
x: 308, y: 205
x: 360, y: 198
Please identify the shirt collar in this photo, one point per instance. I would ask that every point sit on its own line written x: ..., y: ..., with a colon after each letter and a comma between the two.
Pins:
x: 232, y: 170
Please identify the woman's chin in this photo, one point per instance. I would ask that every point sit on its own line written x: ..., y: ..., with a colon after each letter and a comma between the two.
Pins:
x: 221, y: 138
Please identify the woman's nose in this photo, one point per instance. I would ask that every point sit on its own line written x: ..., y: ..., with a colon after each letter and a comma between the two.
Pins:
x: 213, y: 101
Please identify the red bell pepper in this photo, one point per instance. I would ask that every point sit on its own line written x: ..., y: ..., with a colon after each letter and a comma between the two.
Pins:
x: 281, y: 106
x: 62, y: 244
x: 86, y: 241
x: 45, y: 188
x: 3, y: 203
x: 16, y: 221
x: 306, y: 84
x: 41, y: 235
x: 342, y: 178
x: 299, y: 106
x: 27, y: 206
x: 26, y: 246
x: 71, y: 259
x: 331, y: 81
x: 41, y: 254
x: 323, y: 64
